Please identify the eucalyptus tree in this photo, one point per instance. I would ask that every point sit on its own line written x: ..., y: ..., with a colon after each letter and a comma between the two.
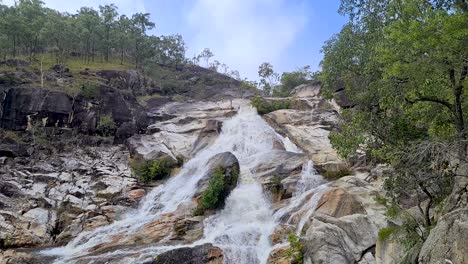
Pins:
x: 108, y: 15
x: 88, y: 25
x: 140, y: 24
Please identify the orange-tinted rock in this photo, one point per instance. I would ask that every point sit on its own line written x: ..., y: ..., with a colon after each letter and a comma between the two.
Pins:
x: 338, y: 202
x: 136, y: 194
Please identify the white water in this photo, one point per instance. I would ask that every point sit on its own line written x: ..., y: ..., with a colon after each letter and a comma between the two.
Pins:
x: 242, y: 228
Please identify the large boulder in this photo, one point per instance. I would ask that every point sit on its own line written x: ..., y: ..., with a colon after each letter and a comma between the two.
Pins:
x: 203, y: 254
x: 344, y: 227
x: 229, y: 164
x: 343, y: 240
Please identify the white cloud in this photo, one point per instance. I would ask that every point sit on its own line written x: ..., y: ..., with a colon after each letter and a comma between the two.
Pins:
x: 245, y: 33
x: 127, y: 7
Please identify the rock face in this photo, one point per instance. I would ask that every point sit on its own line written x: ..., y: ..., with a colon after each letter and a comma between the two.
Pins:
x: 204, y: 254
x: 24, y: 107
x: 344, y: 227
x: 19, y: 104
x: 309, y: 125
x: 52, y: 200
x: 448, y: 240
x: 184, y: 129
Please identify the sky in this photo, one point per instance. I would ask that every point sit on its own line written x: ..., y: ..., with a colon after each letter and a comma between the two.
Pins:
x: 241, y: 33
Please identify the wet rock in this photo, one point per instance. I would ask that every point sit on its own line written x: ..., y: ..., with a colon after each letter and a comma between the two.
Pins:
x: 204, y: 254
x: 136, y: 194
x: 280, y: 163
x: 207, y: 135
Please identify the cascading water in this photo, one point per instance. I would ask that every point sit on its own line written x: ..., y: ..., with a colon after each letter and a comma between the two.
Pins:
x: 242, y: 228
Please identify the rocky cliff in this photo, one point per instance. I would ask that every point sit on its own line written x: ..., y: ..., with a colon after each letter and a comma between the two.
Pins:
x: 80, y: 191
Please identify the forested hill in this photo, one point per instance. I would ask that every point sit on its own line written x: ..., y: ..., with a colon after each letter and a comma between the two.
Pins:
x: 29, y: 28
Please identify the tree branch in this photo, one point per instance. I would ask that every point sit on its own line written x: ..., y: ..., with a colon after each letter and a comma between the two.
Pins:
x: 430, y: 99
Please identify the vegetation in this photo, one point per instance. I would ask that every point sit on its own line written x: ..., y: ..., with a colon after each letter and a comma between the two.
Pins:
x: 154, y: 170
x: 106, y: 126
x: 218, y: 189
x: 295, y: 251
x: 212, y: 197
x: 287, y: 82
x: 404, y: 65
x: 332, y: 175
x: 265, y: 107
x: 28, y: 28
x: 385, y: 233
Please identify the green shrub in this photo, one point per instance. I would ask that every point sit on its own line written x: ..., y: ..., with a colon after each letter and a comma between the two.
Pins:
x: 89, y: 90
x: 385, y: 233
x: 149, y: 171
x: 9, y: 79
x: 106, y: 126
x: 212, y: 196
x: 295, y: 251
x: 335, y: 175
x: 264, y: 107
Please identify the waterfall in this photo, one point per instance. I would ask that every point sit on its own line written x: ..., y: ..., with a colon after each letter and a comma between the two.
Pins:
x: 241, y: 229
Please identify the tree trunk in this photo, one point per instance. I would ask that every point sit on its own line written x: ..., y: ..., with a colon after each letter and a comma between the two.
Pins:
x: 458, y: 110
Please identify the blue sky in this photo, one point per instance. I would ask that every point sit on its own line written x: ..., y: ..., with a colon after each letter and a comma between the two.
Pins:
x: 241, y: 33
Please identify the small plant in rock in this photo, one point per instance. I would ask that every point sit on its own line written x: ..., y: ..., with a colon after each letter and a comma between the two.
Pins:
x: 106, y: 126
x: 295, y: 251
x: 385, y: 233
x: 335, y: 175
x: 89, y: 90
x: 263, y: 107
x: 149, y: 171
x: 212, y: 197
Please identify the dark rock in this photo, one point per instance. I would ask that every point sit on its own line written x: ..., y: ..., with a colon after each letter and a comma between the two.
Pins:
x: 11, y: 148
x: 10, y: 190
x: 129, y: 117
x: 342, y: 99
x: 60, y: 69
x: 15, y: 63
x: 52, y: 108
x: 206, y: 253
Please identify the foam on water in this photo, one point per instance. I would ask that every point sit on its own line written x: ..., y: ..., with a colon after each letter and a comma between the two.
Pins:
x: 242, y: 228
